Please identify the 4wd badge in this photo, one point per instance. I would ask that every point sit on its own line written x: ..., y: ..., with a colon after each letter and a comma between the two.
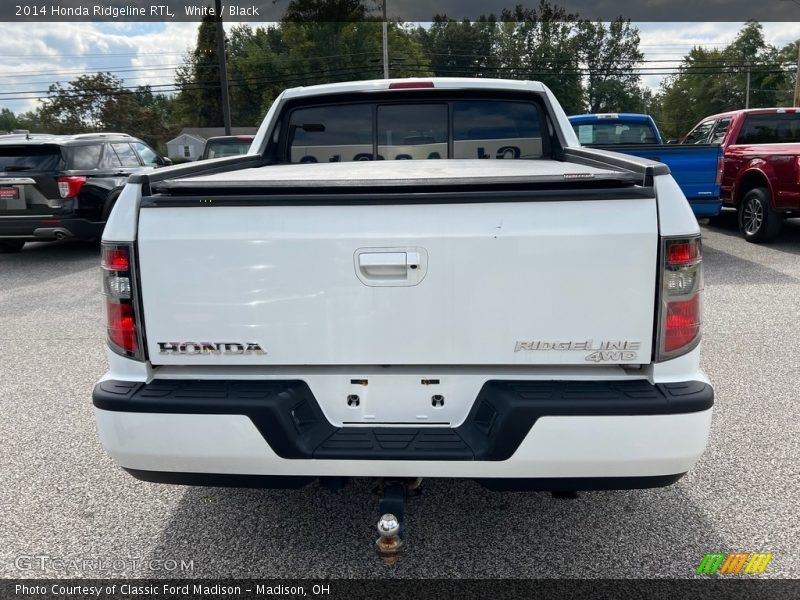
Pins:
x: 611, y: 355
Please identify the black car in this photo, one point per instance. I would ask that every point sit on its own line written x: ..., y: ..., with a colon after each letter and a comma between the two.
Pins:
x: 58, y: 186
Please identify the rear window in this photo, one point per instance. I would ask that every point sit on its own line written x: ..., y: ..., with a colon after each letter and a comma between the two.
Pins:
x: 699, y: 135
x: 495, y: 129
x: 614, y: 132
x: 30, y: 158
x: 331, y: 134
x: 82, y: 158
x: 770, y: 129
x: 412, y: 131
x: 220, y: 149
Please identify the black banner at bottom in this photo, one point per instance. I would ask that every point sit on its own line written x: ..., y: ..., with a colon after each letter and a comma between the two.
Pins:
x: 400, y: 589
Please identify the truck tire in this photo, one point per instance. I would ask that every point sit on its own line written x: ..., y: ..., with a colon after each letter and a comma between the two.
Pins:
x: 10, y: 246
x: 757, y: 221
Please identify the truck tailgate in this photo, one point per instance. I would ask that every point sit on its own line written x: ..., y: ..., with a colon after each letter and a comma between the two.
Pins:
x: 412, y: 278
x: 693, y: 166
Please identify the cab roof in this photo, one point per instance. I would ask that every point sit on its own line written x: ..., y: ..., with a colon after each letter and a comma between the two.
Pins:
x: 450, y: 83
x: 753, y: 111
x: 595, y: 117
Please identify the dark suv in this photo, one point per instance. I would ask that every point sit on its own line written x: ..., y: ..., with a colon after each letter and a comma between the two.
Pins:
x: 59, y: 186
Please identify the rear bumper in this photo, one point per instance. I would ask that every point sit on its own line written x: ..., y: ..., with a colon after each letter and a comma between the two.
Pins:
x: 598, y: 432
x: 42, y: 228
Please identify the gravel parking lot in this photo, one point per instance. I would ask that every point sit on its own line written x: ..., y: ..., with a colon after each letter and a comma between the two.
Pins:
x: 62, y: 497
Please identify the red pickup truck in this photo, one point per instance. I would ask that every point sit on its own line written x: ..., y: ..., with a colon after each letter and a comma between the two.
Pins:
x: 760, y: 167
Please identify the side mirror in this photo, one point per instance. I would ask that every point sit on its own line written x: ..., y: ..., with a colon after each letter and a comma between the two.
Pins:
x: 673, y: 141
x: 163, y: 161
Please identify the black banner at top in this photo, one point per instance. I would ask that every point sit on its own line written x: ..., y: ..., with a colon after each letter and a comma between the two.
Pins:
x: 400, y: 589
x: 403, y: 10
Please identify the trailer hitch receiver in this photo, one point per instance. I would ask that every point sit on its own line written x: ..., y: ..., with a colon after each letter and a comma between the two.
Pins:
x: 391, y: 525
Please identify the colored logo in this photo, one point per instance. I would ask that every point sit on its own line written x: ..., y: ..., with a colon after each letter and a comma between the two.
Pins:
x: 734, y: 563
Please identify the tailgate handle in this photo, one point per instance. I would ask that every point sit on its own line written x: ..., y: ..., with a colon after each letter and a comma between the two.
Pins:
x: 391, y: 266
x: 383, y: 264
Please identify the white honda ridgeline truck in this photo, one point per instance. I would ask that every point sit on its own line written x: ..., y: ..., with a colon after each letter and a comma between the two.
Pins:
x: 307, y: 311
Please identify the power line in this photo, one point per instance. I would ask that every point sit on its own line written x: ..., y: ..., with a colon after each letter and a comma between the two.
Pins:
x: 240, y: 82
x: 91, y: 56
x: 571, y: 67
x: 173, y: 66
x: 147, y: 69
x: 123, y: 90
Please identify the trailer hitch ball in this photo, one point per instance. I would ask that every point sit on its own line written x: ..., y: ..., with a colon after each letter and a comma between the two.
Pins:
x: 389, y: 544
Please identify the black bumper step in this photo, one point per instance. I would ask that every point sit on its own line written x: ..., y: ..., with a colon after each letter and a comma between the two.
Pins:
x: 289, y: 418
x: 400, y: 443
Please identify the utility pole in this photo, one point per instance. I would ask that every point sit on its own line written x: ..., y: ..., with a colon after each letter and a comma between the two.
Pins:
x: 223, y: 70
x: 797, y: 78
x: 385, y: 43
x: 747, y: 93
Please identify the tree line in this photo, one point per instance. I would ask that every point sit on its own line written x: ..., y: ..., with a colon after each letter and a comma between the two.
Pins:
x: 591, y: 66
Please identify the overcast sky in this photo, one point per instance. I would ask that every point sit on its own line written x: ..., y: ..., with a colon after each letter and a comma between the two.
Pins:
x: 38, y: 54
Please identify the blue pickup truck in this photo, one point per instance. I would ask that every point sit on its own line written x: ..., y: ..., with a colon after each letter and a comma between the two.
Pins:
x: 696, y: 167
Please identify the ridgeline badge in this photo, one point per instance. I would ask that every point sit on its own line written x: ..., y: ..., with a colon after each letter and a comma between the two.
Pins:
x: 608, y: 350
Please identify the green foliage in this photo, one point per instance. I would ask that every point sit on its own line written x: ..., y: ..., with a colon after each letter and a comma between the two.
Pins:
x: 588, y: 65
x: 255, y: 66
x: 199, y: 100
x: 460, y: 49
x: 31, y: 121
x: 8, y: 121
x: 80, y: 105
x: 714, y: 81
x: 789, y: 56
x: 101, y: 102
x: 539, y: 44
x: 262, y: 62
x: 143, y: 114
x: 610, y: 53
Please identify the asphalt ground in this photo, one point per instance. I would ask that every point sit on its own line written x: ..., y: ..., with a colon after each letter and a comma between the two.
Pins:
x: 61, y: 497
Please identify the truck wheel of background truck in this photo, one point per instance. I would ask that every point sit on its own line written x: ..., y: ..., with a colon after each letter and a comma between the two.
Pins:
x: 757, y: 221
x: 11, y: 246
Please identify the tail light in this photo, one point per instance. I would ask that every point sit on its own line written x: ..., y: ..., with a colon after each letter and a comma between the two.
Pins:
x: 681, y: 281
x: 123, y: 324
x: 720, y: 169
x: 69, y: 187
